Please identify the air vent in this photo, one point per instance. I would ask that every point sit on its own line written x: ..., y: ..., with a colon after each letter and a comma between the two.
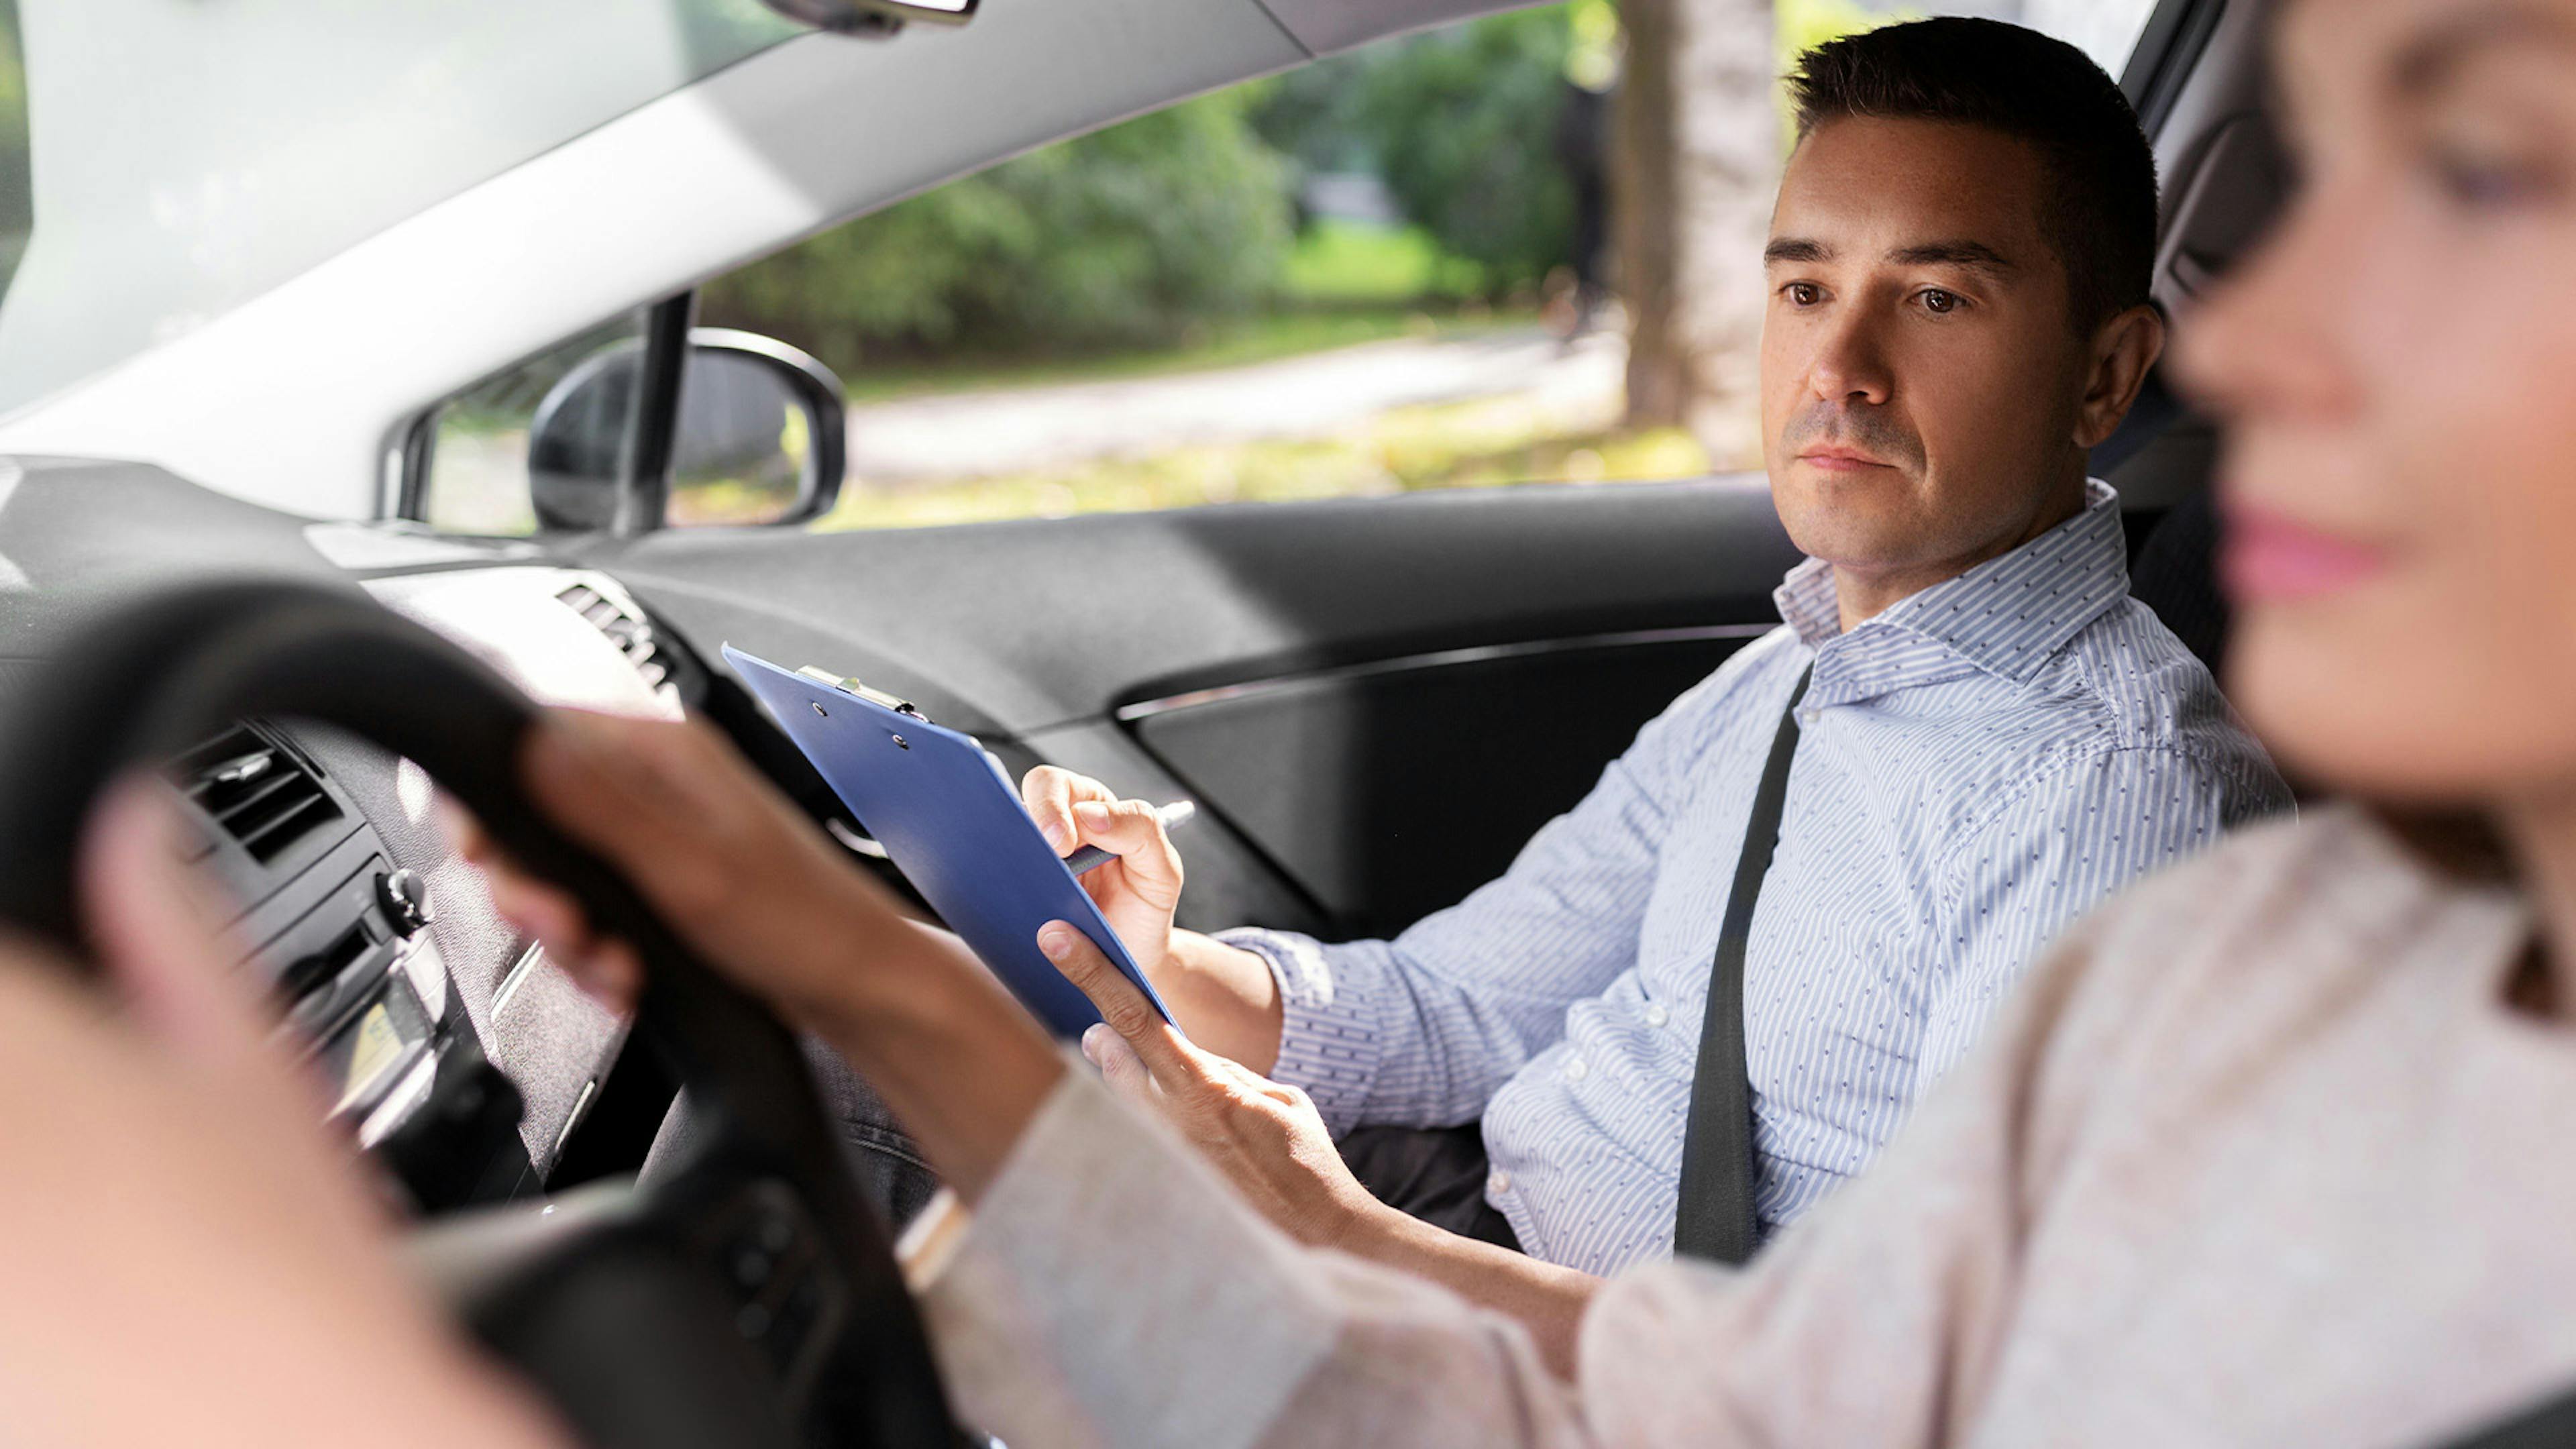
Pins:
x: 257, y: 792
x: 625, y: 627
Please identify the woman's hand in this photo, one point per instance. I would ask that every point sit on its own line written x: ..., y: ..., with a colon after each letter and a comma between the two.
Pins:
x: 729, y: 864
x: 1266, y: 1138
x: 1137, y: 892
x: 192, y: 1257
x: 759, y: 894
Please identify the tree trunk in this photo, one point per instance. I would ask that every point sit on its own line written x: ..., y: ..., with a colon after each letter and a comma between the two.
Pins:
x: 1696, y: 161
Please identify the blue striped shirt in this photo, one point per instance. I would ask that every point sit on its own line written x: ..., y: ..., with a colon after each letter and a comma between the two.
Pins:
x: 1977, y: 766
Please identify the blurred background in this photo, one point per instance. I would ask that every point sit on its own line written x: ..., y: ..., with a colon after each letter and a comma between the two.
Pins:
x: 1527, y: 248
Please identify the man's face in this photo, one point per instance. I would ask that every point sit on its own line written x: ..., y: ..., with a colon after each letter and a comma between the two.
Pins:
x: 1922, y: 386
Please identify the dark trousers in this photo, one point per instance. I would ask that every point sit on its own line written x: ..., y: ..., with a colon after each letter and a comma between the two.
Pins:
x: 1435, y: 1174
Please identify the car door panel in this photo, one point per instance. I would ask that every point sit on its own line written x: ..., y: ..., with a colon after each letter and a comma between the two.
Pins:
x: 1376, y: 701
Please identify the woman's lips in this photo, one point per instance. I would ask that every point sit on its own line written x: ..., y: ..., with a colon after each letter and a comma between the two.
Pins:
x: 2268, y: 557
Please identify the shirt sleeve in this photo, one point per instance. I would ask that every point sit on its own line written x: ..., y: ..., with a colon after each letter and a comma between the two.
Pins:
x: 1422, y: 1030
x: 1110, y: 1291
x: 2077, y: 835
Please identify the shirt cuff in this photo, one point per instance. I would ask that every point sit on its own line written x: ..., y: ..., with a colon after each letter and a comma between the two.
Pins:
x: 1108, y: 1291
x: 1329, y: 1043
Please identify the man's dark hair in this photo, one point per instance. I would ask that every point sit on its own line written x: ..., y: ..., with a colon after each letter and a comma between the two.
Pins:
x: 2098, y: 174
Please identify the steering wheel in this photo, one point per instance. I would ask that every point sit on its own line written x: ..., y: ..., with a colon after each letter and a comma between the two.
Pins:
x: 616, y: 1303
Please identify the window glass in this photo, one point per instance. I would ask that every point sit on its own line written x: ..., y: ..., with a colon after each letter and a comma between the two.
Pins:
x: 1396, y: 269
x: 478, y: 478
x: 190, y: 155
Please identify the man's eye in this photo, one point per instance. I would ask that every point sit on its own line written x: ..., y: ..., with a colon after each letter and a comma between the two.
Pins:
x: 1940, y: 303
x: 1804, y: 294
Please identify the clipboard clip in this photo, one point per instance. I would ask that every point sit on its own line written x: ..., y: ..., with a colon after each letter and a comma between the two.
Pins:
x: 851, y: 685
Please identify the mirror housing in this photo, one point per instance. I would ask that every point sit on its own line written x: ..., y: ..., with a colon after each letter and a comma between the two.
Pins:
x: 872, y: 17
x: 758, y: 437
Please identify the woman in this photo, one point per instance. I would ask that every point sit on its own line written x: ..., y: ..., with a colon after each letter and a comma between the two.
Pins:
x: 2272, y: 1151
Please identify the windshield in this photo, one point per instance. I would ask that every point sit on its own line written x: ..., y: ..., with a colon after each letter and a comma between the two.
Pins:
x: 189, y: 156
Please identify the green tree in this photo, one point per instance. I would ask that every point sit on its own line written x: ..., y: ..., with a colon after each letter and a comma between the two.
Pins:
x: 1462, y: 124
x: 1128, y: 235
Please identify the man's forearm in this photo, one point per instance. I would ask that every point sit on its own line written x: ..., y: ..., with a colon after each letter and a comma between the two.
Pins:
x: 1547, y: 1299
x: 1224, y: 997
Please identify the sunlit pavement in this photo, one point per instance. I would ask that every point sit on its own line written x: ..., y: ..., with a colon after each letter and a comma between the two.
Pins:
x: 980, y: 434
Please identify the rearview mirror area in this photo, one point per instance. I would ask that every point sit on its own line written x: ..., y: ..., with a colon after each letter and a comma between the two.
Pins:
x: 756, y: 439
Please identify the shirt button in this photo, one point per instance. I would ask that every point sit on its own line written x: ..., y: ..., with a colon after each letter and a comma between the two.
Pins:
x: 1810, y: 716
x: 1656, y: 1015
x: 1499, y: 1183
x: 1576, y: 1069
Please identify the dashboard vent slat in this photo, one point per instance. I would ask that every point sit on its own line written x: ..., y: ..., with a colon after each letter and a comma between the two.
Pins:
x: 258, y: 794
x: 626, y: 627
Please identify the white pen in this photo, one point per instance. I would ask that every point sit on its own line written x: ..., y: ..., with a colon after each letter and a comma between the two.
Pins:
x: 1092, y: 857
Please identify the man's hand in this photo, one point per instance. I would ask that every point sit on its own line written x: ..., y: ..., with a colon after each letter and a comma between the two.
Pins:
x: 1270, y: 1142
x: 1223, y: 995
x: 1138, y: 891
x: 1266, y: 1138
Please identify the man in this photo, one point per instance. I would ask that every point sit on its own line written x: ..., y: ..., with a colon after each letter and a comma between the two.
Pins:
x: 1992, y: 736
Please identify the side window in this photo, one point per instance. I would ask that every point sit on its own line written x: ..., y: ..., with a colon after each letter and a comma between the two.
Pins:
x: 1401, y: 268
x: 471, y: 462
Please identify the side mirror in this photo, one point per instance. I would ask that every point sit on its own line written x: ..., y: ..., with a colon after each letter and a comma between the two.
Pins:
x: 758, y: 439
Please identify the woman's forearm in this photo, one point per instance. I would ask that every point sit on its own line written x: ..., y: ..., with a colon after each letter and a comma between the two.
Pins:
x: 961, y: 1065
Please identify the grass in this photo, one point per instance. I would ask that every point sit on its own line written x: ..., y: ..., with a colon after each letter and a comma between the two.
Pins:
x: 1485, y: 443
x: 1347, y: 264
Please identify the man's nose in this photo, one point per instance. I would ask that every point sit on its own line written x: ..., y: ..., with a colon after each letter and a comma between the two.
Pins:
x: 1849, y: 366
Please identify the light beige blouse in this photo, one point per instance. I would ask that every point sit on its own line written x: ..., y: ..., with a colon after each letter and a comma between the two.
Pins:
x: 2260, y: 1156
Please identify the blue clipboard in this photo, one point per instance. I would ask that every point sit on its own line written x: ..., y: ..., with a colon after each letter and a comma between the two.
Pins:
x: 953, y: 824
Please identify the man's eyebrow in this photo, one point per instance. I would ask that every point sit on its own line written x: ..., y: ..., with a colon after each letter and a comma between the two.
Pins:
x: 2435, y: 57
x: 1974, y: 256
x: 1796, y: 249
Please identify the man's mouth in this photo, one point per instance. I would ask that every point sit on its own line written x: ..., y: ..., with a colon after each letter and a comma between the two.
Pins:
x: 1835, y: 458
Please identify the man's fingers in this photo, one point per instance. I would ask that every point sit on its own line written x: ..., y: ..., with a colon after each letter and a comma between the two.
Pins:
x: 1119, y: 1065
x: 1130, y: 830
x: 1121, y: 1005
x: 1050, y: 795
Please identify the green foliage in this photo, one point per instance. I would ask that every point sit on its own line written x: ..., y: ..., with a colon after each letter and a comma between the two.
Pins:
x: 1462, y: 124
x: 1127, y: 236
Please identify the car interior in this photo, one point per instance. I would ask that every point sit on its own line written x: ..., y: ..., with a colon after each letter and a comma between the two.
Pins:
x: 1328, y: 680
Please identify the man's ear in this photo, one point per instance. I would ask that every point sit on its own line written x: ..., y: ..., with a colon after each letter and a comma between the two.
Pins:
x: 2124, y: 352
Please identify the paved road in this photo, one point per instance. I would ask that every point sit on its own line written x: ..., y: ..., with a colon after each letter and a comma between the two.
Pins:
x: 979, y: 434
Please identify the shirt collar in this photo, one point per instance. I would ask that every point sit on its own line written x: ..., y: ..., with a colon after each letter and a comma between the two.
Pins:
x: 2006, y: 616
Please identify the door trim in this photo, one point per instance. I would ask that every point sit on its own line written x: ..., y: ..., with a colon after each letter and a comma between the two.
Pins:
x: 1438, y: 659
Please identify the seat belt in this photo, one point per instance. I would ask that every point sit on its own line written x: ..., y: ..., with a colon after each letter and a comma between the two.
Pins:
x: 2551, y: 1426
x: 1715, y: 1218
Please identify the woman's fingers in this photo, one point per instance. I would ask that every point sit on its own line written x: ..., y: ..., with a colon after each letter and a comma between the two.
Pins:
x: 160, y: 934
x: 603, y: 966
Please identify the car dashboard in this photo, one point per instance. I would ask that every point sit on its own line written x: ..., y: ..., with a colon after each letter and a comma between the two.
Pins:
x: 445, y: 1042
